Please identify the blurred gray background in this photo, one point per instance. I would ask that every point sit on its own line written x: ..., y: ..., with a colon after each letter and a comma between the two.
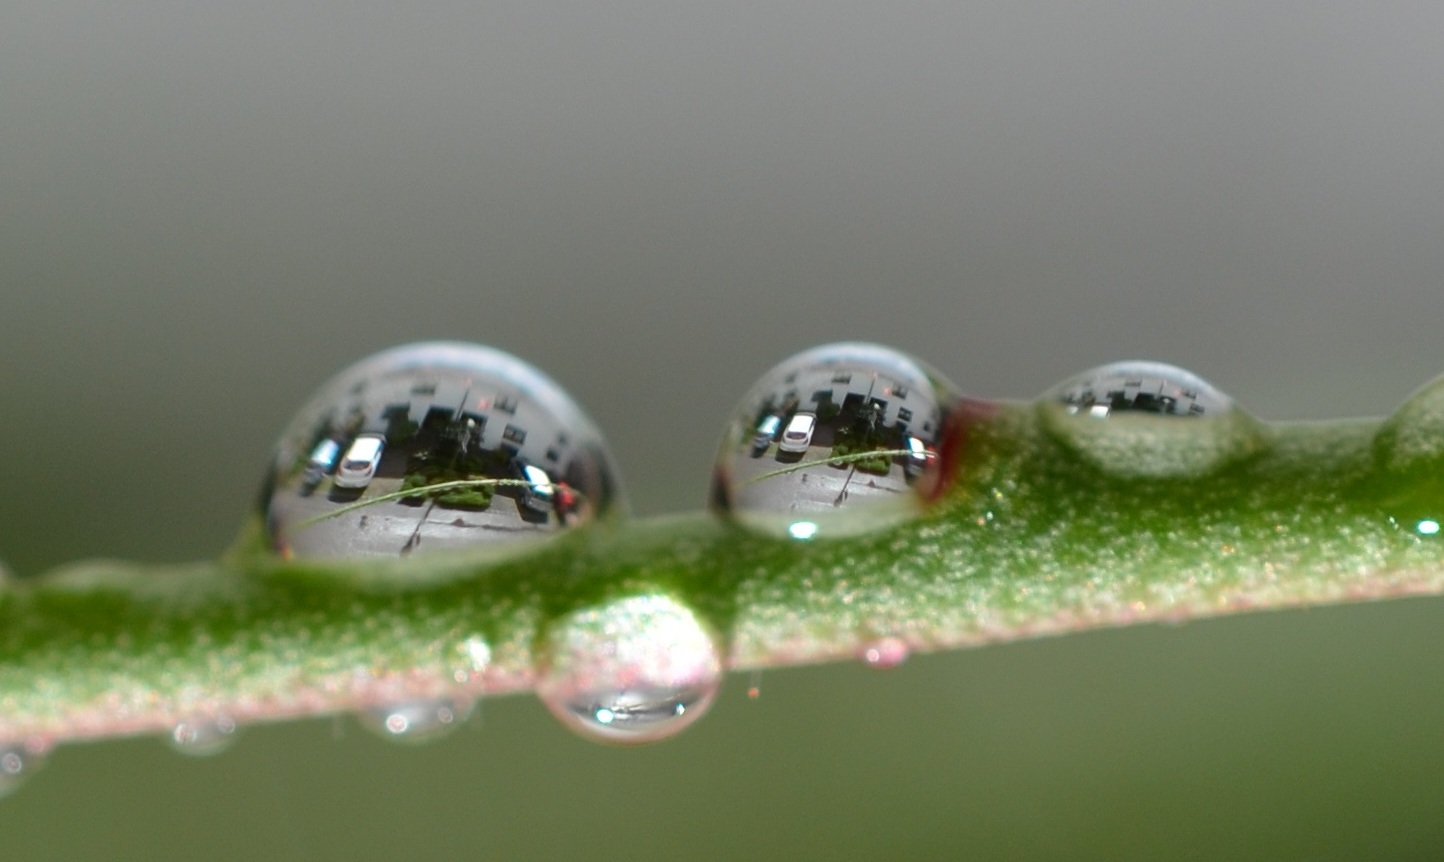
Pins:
x: 207, y: 210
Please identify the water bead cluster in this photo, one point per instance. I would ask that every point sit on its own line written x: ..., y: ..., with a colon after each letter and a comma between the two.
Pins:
x: 437, y: 446
x: 442, y: 446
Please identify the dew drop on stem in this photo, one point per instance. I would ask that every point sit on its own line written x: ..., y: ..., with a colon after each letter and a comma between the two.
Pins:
x: 884, y: 653
x: 434, y: 446
x: 633, y: 670
x: 838, y: 440
x: 203, y: 736
x: 1140, y: 419
x: 416, y: 721
x: 17, y: 763
x: 1409, y: 460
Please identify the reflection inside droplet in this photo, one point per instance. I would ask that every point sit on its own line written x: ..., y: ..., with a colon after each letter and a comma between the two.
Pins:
x: 1149, y: 419
x: 416, y: 721
x: 635, y: 670
x: 430, y: 446
x: 836, y: 440
x: 1427, y: 527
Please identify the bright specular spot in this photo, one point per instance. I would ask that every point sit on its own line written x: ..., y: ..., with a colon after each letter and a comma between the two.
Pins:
x: 836, y: 440
x: 1427, y: 527
x: 802, y: 530
x: 433, y: 446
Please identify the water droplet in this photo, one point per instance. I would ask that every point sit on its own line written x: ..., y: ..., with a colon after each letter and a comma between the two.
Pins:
x: 1413, y: 438
x: 1149, y: 419
x: 431, y: 446
x: 837, y: 440
x: 1409, y: 453
x: 886, y: 653
x: 17, y: 763
x: 635, y: 670
x: 203, y: 736
x: 416, y: 721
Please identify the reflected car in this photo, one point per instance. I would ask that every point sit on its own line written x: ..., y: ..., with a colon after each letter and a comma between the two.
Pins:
x: 766, y: 432
x: 359, y: 465
x: 917, y: 457
x: 538, y: 493
x: 798, y: 435
x: 321, y: 462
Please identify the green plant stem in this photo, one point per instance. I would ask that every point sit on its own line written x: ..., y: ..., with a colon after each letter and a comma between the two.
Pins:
x: 1027, y: 540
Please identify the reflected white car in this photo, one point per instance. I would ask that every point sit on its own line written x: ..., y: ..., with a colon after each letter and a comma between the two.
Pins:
x: 359, y: 465
x: 798, y: 434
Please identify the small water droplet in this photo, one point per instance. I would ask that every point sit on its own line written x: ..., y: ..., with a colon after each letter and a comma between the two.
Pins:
x: 1409, y: 453
x: 17, y: 763
x: 416, y: 721
x: 431, y: 446
x: 1412, y: 440
x: 203, y: 736
x: 886, y: 653
x: 634, y: 670
x: 836, y: 440
x: 1149, y: 419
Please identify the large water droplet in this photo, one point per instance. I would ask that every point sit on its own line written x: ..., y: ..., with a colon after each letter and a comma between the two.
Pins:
x: 17, y: 763
x: 203, y: 736
x: 1149, y: 419
x: 430, y: 446
x: 416, y: 721
x: 836, y: 440
x: 635, y: 670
